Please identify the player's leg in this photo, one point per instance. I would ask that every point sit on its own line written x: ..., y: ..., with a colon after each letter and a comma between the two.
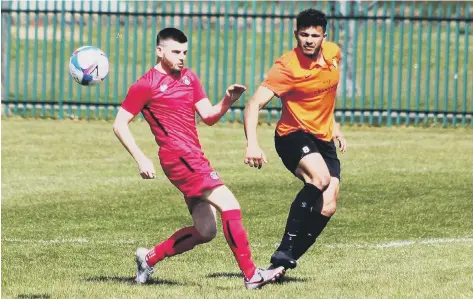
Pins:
x: 313, y: 171
x: 237, y: 238
x: 205, y: 219
x: 318, y: 219
x: 181, y: 241
x: 301, y: 156
x: 321, y: 214
x: 203, y: 230
x: 235, y: 234
x: 185, y: 239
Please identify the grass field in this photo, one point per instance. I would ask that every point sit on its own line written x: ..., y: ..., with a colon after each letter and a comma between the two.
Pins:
x: 74, y: 210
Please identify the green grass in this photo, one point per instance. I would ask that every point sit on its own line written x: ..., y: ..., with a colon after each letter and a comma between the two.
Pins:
x: 248, y: 70
x: 74, y: 209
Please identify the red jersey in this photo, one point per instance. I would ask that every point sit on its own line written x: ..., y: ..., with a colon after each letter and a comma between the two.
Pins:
x: 168, y: 105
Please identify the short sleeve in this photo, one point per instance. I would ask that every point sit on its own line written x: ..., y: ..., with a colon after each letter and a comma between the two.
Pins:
x: 331, y: 52
x: 139, y: 94
x: 199, y: 92
x: 278, y: 79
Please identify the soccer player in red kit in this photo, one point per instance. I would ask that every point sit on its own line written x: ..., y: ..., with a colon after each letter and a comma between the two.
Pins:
x: 168, y: 96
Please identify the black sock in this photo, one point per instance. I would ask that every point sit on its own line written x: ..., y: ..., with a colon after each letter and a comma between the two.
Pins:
x: 312, y: 229
x: 299, y: 214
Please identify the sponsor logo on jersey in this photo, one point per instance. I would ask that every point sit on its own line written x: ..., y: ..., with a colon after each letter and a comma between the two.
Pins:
x: 334, y: 63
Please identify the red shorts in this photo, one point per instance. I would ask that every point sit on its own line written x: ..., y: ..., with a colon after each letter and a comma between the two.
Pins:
x: 190, y: 173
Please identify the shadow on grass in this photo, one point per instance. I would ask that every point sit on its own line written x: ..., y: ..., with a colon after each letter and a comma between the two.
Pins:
x: 284, y: 279
x: 225, y: 275
x: 131, y: 280
x: 288, y: 279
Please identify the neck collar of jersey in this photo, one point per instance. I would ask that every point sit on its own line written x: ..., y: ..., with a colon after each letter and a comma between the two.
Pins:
x: 310, y: 63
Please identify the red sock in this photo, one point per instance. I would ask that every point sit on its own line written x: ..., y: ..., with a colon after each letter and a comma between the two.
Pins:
x: 183, y: 240
x: 237, y: 238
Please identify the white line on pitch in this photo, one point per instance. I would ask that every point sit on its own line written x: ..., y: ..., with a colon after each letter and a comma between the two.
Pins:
x: 402, y: 243
x: 69, y: 241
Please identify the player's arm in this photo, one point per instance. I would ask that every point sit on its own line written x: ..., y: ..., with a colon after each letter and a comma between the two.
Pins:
x: 260, y: 99
x: 211, y: 114
x: 278, y: 82
x: 137, y: 97
x: 337, y: 134
x: 255, y: 156
x: 123, y: 133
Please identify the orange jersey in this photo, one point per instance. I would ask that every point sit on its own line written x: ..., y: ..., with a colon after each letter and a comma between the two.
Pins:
x: 307, y: 90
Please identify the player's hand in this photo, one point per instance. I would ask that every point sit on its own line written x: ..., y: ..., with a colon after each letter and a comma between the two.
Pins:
x: 255, y: 157
x: 235, y: 91
x: 342, y: 142
x: 146, y: 169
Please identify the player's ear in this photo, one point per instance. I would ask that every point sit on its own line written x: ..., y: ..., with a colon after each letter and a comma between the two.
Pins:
x: 159, y: 51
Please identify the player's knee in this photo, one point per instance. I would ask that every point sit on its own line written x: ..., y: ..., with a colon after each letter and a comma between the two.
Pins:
x: 207, y: 233
x: 320, y: 181
x: 205, y: 221
x: 330, y: 205
x: 329, y: 208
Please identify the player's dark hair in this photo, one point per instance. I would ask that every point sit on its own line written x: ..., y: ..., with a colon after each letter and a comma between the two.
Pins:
x: 171, y: 33
x: 311, y: 18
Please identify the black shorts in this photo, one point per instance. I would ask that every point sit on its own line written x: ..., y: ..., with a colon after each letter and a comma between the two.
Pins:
x: 293, y: 147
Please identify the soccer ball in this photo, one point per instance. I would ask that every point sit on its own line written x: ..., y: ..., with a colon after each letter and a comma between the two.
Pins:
x: 88, y: 65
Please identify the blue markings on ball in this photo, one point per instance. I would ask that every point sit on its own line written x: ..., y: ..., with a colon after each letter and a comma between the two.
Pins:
x: 75, y: 62
x: 86, y: 79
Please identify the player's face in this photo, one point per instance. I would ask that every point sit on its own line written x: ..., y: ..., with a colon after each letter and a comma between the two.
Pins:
x: 310, y: 39
x: 173, y: 55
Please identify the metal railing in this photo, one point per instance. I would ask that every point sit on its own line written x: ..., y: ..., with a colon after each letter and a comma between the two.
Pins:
x: 403, y: 62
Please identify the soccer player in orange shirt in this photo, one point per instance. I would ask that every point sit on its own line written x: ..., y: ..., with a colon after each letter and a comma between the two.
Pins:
x: 305, y: 79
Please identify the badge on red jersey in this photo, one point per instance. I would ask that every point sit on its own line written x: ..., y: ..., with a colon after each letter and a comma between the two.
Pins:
x: 214, y: 175
x: 186, y: 80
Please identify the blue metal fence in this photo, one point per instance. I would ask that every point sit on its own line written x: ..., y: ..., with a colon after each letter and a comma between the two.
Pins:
x: 404, y: 62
